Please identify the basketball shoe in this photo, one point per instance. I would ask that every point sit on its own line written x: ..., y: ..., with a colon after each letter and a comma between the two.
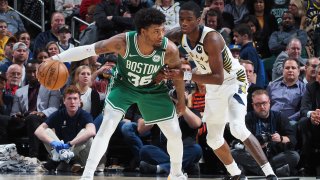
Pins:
x: 237, y: 177
x: 179, y: 177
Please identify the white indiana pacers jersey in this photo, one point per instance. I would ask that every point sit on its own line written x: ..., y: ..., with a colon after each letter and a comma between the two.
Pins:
x: 232, y: 68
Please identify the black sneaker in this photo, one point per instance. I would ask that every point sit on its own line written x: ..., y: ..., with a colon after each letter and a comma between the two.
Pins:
x: 237, y: 177
x: 271, y: 177
x: 147, y: 168
x: 51, y: 165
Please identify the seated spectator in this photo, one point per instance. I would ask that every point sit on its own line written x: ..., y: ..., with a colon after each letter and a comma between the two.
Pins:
x: 258, y: 38
x: 260, y: 9
x: 68, y: 128
x: 213, y: 19
x: 88, y: 17
x: 32, y: 104
x: 235, y: 50
x: 238, y: 9
x: 4, y: 36
x: 11, y: 17
x: 41, y: 54
x: 8, y: 51
x: 311, y: 66
x: 89, y: 97
x: 280, y: 39
x: 251, y: 77
x: 11, y: 81
x: 275, y: 135
x: 170, y: 9
x: 19, y: 57
x: 293, y: 50
x: 286, y: 93
x: 68, y: 8
x: 24, y: 36
x: 64, y: 34
x: 43, y: 38
x: 155, y: 159
x: 242, y: 35
x: 310, y: 128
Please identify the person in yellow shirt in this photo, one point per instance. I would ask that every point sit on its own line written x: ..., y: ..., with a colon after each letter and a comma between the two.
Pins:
x: 3, y: 37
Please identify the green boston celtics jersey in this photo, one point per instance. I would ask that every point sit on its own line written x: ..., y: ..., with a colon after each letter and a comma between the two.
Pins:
x: 136, y: 70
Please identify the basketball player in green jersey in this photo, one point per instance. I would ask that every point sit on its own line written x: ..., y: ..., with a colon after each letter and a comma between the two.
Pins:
x: 141, y: 55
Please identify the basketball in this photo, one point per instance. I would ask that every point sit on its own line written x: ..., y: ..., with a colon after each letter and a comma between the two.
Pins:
x: 52, y: 74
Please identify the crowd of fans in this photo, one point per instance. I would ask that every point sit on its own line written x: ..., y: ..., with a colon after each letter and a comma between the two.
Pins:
x: 283, y: 101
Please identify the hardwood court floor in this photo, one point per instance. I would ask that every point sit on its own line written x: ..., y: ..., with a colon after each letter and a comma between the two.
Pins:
x: 116, y: 176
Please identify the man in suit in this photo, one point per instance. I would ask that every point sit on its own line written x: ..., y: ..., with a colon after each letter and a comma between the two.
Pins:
x: 32, y: 104
x: 309, y: 126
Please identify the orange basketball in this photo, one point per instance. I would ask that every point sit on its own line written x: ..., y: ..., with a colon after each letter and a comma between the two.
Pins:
x: 52, y: 74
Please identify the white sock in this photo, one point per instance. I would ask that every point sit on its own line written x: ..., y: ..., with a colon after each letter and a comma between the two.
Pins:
x: 233, y: 169
x: 267, y: 169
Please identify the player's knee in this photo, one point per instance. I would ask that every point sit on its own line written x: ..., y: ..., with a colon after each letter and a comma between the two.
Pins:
x: 215, y: 142
x: 239, y: 131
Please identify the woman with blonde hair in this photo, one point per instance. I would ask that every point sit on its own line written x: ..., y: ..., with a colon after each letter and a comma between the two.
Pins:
x: 296, y: 7
x: 89, y: 97
x: 171, y: 10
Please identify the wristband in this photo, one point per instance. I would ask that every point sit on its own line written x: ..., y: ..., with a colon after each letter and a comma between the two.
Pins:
x: 187, y: 75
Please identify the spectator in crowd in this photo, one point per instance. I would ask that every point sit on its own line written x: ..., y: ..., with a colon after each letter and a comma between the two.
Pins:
x: 4, y: 118
x: 89, y: 97
x: 41, y: 54
x: 135, y: 5
x: 280, y: 39
x: 238, y: 9
x: 84, y: 8
x: 155, y: 159
x: 251, y: 77
x: 213, y: 19
x: 275, y: 134
x: 64, y: 35
x: 242, y: 35
x: 286, y: 93
x: 171, y: 10
x: 311, y: 66
x: 33, y: 103
x: 52, y: 48
x: 24, y: 36
x: 310, y: 128
x: 88, y: 17
x: 9, y: 85
x: 68, y: 128
x: 68, y: 8
x: 235, y: 50
x: 278, y: 8
x: 42, y: 39
x: 227, y: 18
x: 19, y: 57
x: 12, y: 18
x: 258, y: 38
x: 296, y: 7
x: 3, y: 38
x: 8, y: 51
x: 111, y: 19
x: 293, y: 50
x: 261, y: 10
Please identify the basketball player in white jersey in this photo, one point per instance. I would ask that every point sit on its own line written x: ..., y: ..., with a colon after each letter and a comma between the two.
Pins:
x: 226, y: 88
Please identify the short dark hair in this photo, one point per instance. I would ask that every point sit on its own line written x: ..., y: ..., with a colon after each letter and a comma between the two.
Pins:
x: 191, y: 6
x: 290, y: 59
x: 3, y: 21
x: 147, y: 17
x: 72, y: 89
x: 214, y: 13
x: 243, y: 29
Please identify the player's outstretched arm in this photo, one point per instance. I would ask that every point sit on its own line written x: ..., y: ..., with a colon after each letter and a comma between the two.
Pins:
x: 115, y: 44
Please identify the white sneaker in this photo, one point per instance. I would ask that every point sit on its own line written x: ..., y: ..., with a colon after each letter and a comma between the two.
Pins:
x: 179, y: 177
